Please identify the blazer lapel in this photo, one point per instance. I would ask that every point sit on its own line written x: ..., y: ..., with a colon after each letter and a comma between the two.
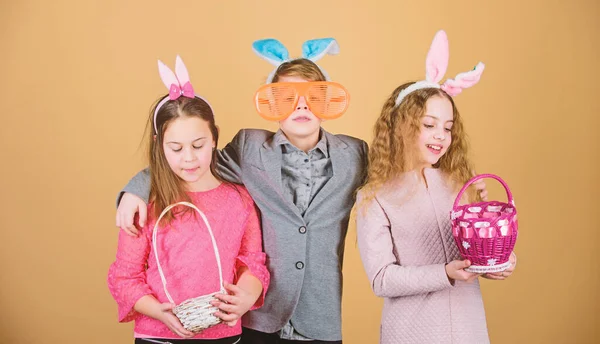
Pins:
x: 270, y: 154
x: 337, y: 154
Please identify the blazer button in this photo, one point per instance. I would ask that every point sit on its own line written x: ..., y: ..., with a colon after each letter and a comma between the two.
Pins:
x: 299, y: 265
x: 302, y: 230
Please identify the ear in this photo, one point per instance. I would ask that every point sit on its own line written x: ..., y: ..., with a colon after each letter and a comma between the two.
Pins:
x: 315, y: 49
x: 181, y: 71
x: 271, y: 50
x: 437, y: 58
x: 463, y: 80
x: 166, y: 75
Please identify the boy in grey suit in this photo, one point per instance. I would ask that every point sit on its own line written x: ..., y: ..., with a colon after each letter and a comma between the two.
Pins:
x: 303, y: 179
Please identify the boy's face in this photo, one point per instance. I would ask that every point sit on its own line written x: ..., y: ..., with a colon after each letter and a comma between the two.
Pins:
x: 302, y: 122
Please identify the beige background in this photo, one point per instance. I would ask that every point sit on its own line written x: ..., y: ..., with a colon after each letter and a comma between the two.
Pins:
x: 77, y: 79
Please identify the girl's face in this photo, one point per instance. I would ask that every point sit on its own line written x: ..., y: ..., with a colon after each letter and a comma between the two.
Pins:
x: 302, y: 122
x: 188, y: 145
x: 435, y: 135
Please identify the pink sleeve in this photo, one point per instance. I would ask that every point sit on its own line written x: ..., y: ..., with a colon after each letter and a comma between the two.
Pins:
x: 127, y: 275
x: 388, y: 278
x: 251, y: 254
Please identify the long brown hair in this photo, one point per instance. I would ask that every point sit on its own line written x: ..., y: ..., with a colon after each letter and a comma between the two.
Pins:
x: 165, y: 186
x: 393, y: 150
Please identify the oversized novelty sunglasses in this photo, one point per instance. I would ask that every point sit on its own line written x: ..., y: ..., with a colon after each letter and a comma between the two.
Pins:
x: 325, y: 99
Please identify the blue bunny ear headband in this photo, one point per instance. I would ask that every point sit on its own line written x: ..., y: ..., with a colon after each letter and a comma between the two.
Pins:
x: 276, y: 53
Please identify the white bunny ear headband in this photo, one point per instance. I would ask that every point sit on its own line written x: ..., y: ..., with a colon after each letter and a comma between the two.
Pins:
x: 276, y: 53
x: 435, y: 68
x: 177, y: 83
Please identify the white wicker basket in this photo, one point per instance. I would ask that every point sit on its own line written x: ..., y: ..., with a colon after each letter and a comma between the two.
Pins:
x: 196, y: 314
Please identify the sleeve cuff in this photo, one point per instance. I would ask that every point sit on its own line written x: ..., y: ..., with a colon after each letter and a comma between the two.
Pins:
x: 255, y: 262
x: 127, y: 312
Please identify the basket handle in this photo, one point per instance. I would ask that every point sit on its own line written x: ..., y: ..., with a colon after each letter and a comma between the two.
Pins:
x: 212, y: 237
x: 509, y: 195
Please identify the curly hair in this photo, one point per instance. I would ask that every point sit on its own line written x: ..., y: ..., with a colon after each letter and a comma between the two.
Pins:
x: 394, y: 152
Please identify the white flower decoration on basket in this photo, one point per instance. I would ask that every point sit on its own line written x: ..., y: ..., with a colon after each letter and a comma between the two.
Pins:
x: 196, y: 314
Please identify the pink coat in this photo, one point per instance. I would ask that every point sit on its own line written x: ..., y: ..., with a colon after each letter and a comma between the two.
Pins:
x: 405, y: 240
x: 188, y: 260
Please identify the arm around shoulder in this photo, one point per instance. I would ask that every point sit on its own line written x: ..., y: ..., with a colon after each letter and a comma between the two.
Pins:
x: 229, y: 159
x: 139, y: 185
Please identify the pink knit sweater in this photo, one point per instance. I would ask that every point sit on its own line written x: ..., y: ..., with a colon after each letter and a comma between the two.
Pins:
x: 188, y: 260
x: 405, y: 240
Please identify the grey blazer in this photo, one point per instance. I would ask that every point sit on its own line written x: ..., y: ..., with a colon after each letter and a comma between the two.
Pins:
x: 304, y: 253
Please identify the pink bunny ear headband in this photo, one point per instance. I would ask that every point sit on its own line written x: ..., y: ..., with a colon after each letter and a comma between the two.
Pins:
x: 435, y: 68
x: 177, y: 83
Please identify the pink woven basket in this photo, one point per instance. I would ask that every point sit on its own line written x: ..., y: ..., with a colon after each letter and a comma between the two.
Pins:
x: 485, y: 232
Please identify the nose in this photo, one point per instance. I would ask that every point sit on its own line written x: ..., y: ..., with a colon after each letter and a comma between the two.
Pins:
x: 302, y: 104
x: 440, y: 135
x: 188, y: 154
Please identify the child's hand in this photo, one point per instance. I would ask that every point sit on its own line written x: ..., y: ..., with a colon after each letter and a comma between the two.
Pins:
x: 171, y: 321
x: 233, y: 305
x: 504, y: 274
x: 480, y: 187
x: 130, y: 205
x: 456, y: 271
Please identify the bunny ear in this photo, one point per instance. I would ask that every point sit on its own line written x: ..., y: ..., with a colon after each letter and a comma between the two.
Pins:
x: 167, y: 76
x: 181, y: 71
x: 315, y: 49
x: 437, y: 58
x: 463, y: 80
x: 271, y: 50
x: 470, y: 78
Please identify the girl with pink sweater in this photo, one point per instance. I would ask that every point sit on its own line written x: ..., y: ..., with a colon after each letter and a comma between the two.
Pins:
x: 182, y: 163
x: 418, y: 162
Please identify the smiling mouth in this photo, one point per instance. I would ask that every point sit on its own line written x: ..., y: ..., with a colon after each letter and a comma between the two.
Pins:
x: 435, y: 148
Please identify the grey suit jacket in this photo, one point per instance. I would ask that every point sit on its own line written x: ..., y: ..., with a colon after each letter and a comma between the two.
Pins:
x: 304, y: 253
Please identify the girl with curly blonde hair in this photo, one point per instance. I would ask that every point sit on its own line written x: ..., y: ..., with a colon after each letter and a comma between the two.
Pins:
x: 417, y: 162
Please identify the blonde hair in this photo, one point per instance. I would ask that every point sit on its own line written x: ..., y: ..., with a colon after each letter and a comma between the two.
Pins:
x: 303, y: 68
x: 393, y: 151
